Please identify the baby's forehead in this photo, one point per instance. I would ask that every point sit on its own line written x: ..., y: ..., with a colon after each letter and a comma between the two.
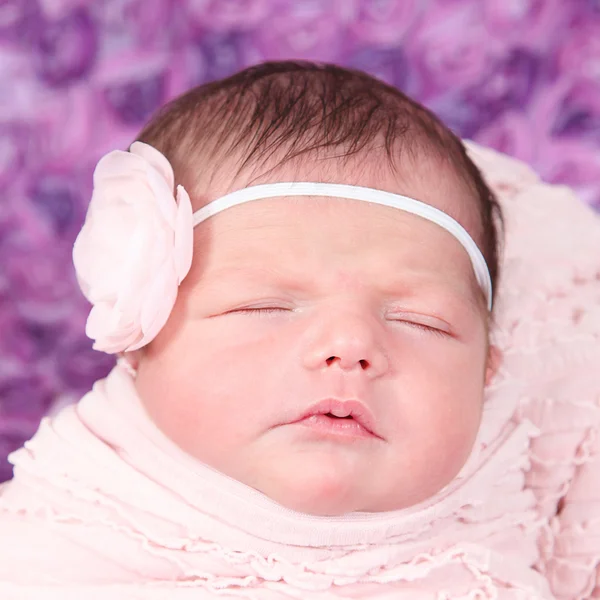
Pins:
x: 314, y: 243
x: 423, y: 178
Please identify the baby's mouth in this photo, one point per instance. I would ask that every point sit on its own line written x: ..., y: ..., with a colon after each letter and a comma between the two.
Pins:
x: 343, y: 418
x: 333, y: 427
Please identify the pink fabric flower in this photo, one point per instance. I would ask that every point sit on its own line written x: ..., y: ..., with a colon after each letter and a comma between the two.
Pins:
x: 135, y: 248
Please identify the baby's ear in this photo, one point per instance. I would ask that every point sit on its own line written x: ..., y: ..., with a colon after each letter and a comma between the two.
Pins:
x: 494, y: 360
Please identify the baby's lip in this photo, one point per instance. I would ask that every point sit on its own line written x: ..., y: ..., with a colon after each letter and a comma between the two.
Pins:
x: 356, y: 409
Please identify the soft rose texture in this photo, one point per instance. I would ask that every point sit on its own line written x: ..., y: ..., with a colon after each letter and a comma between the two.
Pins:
x: 104, y: 505
x: 135, y: 248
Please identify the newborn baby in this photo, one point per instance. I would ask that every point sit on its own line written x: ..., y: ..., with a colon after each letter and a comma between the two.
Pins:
x: 291, y: 302
x: 298, y: 410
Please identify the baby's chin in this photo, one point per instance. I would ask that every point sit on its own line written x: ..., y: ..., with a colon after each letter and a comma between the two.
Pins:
x: 322, y: 489
x: 318, y: 500
x: 332, y: 501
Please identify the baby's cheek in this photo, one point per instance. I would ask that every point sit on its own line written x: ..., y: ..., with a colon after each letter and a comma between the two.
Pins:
x: 191, y: 396
x: 442, y: 428
x: 455, y: 441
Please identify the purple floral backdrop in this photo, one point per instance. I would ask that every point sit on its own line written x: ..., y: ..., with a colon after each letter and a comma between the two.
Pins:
x: 80, y: 77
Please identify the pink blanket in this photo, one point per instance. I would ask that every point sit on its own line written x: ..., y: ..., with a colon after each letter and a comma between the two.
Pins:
x: 102, y: 505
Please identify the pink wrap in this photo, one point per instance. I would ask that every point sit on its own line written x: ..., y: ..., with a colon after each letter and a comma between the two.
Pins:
x: 104, y: 506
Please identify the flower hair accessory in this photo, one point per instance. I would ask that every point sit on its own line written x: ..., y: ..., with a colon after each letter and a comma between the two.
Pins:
x: 136, y: 244
x: 135, y: 248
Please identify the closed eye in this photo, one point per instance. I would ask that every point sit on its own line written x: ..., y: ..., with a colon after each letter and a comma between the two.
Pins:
x: 260, y: 310
x: 423, y: 327
x: 266, y: 310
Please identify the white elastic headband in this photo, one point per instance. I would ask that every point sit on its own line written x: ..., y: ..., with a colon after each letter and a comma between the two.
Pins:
x: 352, y: 192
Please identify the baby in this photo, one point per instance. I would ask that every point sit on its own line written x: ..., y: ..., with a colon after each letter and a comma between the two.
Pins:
x: 297, y: 267
x: 332, y: 305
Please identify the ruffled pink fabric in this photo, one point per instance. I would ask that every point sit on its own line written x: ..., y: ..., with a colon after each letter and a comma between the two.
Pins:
x: 102, y: 505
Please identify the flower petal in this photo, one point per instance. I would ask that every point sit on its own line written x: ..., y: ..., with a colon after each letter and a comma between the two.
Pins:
x: 157, y: 160
x: 121, y: 343
x: 159, y: 300
x: 114, y: 345
x: 98, y: 250
x: 184, y: 234
x: 145, y: 251
x: 100, y: 322
x: 118, y: 164
x: 80, y: 261
x: 162, y: 195
x: 109, y: 329
x: 135, y: 181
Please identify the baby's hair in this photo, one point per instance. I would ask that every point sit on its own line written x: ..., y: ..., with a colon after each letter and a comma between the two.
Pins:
x: 277, y: 112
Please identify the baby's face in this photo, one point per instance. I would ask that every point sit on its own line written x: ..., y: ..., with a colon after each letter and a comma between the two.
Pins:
x: 293, y: 301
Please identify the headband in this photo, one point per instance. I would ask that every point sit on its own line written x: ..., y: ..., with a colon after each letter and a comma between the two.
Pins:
x: 135, y: 247
x: 363, y: 194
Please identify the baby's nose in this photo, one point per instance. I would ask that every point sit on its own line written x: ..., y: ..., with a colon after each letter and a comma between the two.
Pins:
x: 348, y: 342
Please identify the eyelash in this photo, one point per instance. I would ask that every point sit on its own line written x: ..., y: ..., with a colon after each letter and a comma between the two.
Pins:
x: 263, y: 310
x: 275, y: 309
x: 425, y: 328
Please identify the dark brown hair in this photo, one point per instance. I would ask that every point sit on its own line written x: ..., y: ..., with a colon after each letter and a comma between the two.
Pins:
x: 275, y: 112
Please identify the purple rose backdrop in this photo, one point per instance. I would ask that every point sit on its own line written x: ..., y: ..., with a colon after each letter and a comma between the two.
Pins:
x: 79, y: 78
